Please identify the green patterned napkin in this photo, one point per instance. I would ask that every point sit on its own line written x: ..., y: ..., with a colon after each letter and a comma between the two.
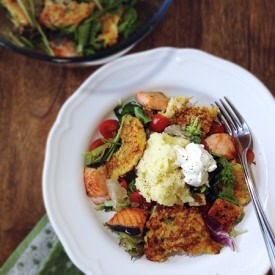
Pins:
x: 39, y: 253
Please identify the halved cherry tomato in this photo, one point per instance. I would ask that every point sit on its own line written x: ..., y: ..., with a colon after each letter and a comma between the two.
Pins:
x: 123, y: 183
x: 250, y: 156
x: 216, y: 128
x: 96, y: 143
x: 136, y: 197
x: 108, y: 128
x: 139, y: 201
x: 158, y: 123
x: 206, y: 147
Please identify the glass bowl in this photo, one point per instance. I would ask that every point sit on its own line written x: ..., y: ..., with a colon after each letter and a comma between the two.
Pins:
x: 149, y: 14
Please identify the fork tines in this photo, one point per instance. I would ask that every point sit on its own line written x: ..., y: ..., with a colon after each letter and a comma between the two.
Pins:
x: 231, y: 119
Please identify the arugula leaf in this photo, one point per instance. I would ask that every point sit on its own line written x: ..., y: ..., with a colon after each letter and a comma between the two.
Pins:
x: 83, y: 32
x: 225, y: 180
x: 95, y: 156
x: 28, y: 8
x: 132, y: 108
x: 129, y: 22
x: 131, y: 187
x: 193, y: 130
x: 104, y: 152
x: 131, y: 244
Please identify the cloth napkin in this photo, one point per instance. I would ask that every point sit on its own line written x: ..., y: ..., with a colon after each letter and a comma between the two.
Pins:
x: 40, y: 253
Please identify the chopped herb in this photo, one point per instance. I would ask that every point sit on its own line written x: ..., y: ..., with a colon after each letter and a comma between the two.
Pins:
x: 131, y: 187
x: 193, y: 130
x: 200, y: 189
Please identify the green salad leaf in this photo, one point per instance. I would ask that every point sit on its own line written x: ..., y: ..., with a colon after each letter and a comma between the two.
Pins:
x: 129, y: 22
x: 104, y: 152
x: 131, y: 108
x: 193, y: 130
x: 224, y: 179
x: 132, y: 244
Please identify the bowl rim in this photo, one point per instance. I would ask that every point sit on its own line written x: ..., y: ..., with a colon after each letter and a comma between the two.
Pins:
x: 106, y: 53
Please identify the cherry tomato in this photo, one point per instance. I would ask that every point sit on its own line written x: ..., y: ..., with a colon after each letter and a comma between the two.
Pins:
x: 96, y: 143
x: 138, y: 200
x: 108, y: 128
x: 250, y: 156
x: 216, y: 128
x: 136, y: 197
x: 206, y: 147
x: 158, y: 123
x: 123, y: 183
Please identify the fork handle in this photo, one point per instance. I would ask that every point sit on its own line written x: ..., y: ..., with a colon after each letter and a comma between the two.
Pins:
x: 266, y: 229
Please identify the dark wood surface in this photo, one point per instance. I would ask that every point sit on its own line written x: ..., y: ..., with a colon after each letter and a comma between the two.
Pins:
x: 32, y: 92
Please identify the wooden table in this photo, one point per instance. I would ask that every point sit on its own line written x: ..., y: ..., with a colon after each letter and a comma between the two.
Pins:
x: 32, y: 92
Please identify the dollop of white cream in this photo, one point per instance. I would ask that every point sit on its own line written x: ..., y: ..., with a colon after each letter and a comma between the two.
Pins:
x: 196, y: 163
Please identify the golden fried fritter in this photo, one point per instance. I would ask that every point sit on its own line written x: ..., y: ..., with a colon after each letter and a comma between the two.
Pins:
x: 180, y: 112
x: 177, y: 229
x: 61, y: 15
x: 240, y: 188
x: 18, y: 16
x: 205, y: 115
x: 133, y: 139
x: 109, y: 29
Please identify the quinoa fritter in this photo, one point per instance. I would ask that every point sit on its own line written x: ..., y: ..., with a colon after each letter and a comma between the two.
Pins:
x: 133, y: 139
x: 177, y: 229
x: 240, y: 188
x: 180, y: 112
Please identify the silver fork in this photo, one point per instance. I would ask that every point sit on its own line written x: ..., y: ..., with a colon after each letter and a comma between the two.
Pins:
x: 238, y: 128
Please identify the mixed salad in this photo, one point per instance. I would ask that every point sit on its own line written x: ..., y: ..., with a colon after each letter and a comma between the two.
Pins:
x: 70, y: 28
x: 170, y: 173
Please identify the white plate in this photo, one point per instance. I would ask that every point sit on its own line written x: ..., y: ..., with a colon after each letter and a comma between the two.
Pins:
x: 176, y: 72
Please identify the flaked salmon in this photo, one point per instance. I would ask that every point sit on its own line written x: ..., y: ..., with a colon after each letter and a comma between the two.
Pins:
x: 129, y: 220
x: 95, y: 180
x: 222, y: 144
x: 153, y: 100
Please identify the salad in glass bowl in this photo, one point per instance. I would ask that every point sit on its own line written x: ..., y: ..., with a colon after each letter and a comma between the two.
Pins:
x: 69, y: 31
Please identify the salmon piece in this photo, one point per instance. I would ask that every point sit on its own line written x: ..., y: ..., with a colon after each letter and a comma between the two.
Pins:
x: 225, y: 213
x: 64, y: 49
x: 95, y: 180
x: 153, y: 100
x: 222, y: 144
x: 129, y: 220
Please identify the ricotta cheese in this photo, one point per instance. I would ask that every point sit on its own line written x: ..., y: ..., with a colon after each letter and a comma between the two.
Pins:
x: 196, y: 163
